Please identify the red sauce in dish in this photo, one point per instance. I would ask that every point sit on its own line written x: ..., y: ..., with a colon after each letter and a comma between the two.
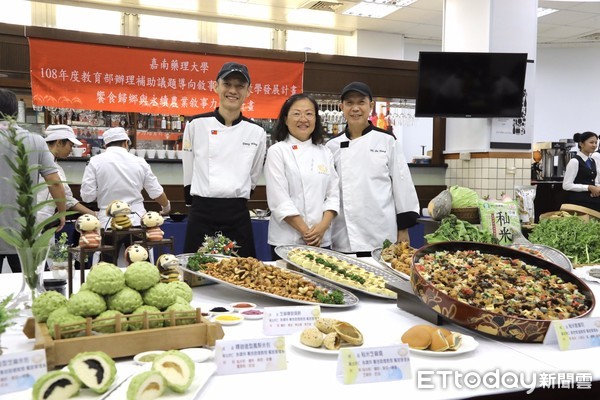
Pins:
x: 242, y: 305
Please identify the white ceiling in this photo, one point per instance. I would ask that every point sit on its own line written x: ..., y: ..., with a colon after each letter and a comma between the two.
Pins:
x: 421, y: 21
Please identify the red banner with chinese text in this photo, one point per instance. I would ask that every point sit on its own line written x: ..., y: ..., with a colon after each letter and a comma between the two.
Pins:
x: 113, y: 78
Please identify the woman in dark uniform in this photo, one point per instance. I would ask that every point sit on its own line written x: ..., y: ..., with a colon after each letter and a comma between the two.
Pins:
x: 581, y: 176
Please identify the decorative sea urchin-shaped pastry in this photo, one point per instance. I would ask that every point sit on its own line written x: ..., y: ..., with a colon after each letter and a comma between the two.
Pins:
x: 95, y: 369
x: 148, y: 385
x: 177, y: 368
x: 55, y: 385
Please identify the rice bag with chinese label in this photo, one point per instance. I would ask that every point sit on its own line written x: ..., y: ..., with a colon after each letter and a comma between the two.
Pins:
x: 500, y: 219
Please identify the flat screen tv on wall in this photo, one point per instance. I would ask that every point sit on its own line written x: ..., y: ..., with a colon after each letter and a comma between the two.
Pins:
x: 470, y: 85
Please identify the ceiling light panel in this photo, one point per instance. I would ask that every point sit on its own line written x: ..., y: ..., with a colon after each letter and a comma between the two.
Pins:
x: 377, y: 8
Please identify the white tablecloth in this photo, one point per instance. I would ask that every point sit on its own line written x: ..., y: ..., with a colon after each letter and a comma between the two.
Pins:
x: 310, y: 375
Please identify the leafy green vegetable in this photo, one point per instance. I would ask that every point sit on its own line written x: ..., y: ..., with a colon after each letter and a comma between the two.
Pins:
x: 463, y: 197
x: 198, y: 261
x: 387, y: 243
x: 453, y: 229
x: 577, y: 239
x: 333, y: 297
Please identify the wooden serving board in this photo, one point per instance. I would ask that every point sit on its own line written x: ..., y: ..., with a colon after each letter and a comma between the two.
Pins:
x: 125, y: 344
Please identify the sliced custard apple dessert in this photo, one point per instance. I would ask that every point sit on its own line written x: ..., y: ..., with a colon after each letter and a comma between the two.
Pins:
x: 148, y: 385
x: 177, y: 369
x: 55, y: 385
x: 94, y: 369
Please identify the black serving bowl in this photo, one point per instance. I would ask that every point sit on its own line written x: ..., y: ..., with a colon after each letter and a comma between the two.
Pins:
x: 507, y: 327
x: 177, y: 217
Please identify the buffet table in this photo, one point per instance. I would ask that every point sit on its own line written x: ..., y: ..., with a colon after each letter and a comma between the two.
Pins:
x: 310, y: 375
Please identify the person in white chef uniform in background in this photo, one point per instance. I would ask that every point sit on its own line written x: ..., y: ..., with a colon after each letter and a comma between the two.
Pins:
x: 223, y: 157
x: 302, y: 184
x: 378, y: 197
x: 60, y: 140
x: 117, y: 174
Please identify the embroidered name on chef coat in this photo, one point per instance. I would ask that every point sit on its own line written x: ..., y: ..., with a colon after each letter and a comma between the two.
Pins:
x: 322, y: 169
x: 378, y: 150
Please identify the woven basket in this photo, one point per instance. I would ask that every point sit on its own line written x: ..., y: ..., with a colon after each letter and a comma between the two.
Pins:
x: 470, y: 214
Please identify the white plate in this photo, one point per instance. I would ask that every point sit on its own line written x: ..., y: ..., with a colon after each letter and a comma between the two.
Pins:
x: 584, y: 273
x: 138, y: 357
x: 240, y: 309
x: 468, y: 345
x: 238, y: 319
x: 253, y: 316
x: 203, y: 373
x: 295, y: 342
x: 198, y: 354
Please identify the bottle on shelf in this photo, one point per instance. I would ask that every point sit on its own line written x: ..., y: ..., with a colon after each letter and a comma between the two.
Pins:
x: 381, y: 119
x: 163, y: 123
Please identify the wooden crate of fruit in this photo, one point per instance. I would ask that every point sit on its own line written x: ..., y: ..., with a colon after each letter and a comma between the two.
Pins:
x: 124, y: 343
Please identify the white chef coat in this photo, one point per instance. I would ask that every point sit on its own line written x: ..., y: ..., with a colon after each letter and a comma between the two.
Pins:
x: 301, y: 180
x: 44, y: 195
x: 118, y: 175
x: 375, y: 186
x: 221, y: 161
x: 573, y: 168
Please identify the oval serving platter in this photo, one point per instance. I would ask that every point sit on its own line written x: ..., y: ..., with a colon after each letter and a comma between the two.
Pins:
x: 548, y: 253
x: 282, y: 251
x: 350, y: 299
x: 376, y: 254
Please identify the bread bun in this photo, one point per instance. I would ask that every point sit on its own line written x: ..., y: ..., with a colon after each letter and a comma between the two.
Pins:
x: 326, y: 325
x: 438, y: 341
x: 311, y: 337
x: 454, y: 340
x: 433, y: 328
x: 332, y: 341
x: 418, y: 337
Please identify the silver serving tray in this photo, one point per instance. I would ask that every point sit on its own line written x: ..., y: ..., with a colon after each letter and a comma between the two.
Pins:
x: 376, y: 254
x: 350, y: 300
x: 282, y: 251
x: 549, y: 253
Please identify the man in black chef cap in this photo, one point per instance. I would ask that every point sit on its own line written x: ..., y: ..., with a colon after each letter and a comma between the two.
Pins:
x: 223, y: 156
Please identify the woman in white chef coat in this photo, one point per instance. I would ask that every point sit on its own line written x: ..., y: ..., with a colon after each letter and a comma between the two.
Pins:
x: 581, y: 175
x: 378, y: 198
x: 302, y: 185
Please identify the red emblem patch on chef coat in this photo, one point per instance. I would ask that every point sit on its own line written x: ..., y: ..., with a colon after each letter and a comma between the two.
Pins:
x: 214, y: 132
x: 295, y: 147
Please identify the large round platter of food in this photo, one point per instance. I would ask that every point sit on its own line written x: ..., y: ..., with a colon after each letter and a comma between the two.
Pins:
x: 395, y: 256
x: 340, y: 269
x: 252, y: 275
x: 497, y: 290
